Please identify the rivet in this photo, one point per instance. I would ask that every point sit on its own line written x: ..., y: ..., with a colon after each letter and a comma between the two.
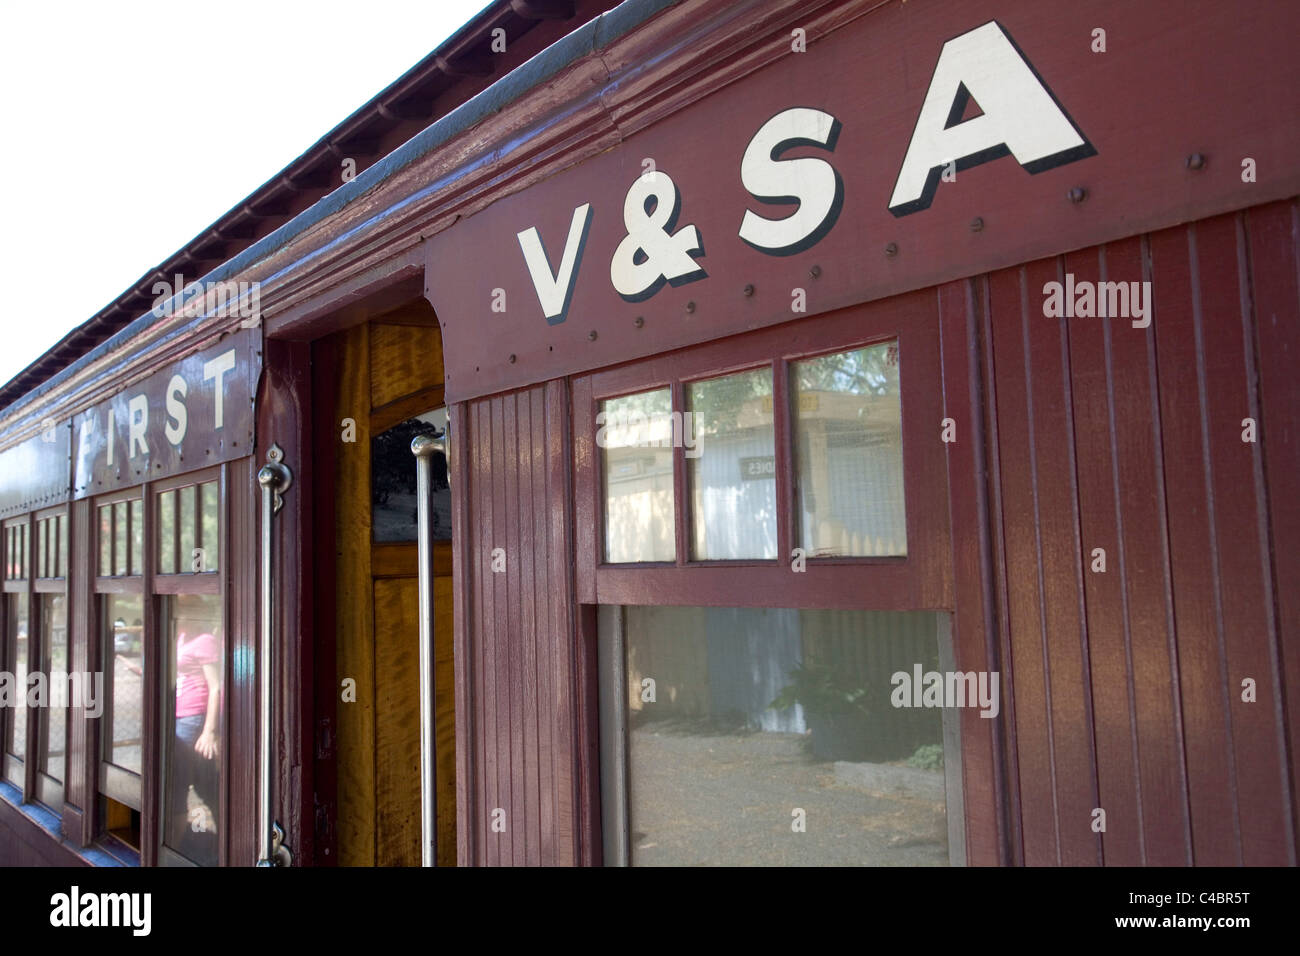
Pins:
x: 1196, y: 161
x: 639, y: 321
x: 749, y: 289
x: 591, y: 336
x: 977, y: 224
x: 1078, y: 194
x: 690, y: 306
x: 891, y: 249
x: 512, y: 359
x: 815, y: 271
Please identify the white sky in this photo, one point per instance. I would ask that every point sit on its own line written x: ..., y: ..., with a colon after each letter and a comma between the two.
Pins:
x: 128, y: 127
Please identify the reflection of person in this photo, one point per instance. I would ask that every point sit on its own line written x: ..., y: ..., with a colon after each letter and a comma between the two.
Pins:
x: 198, y: 698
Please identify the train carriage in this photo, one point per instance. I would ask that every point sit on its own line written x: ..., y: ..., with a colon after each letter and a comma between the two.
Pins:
x: 746, y: 432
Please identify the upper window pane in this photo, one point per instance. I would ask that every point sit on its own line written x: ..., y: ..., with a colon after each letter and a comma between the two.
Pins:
x: 167, y: 532
x: 848, y: 444
x: 211, y: 543
x: 120, y: 529
x: 105, y: 540
x: 394, y: 514
x: 733, y: 467
x: 635, y: 436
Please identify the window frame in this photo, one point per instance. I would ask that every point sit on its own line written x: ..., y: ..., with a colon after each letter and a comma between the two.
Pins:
x: 919, y: 580
x: 18, y: 771
x: 111, y: 780
x: 47, y: 790
x: 160, y: 587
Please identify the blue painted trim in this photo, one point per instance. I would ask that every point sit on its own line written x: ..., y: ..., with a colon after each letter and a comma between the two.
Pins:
x: 53, y: 826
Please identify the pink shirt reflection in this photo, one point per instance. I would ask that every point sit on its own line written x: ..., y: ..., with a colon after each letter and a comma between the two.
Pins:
x: 191, y: 685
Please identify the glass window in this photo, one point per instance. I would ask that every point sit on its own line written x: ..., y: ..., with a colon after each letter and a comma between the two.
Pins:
x: 123, y: 619
x: 392, y: 481
x: 211, y: 513
x: 54, y: 716
x: 17, y: 643
x: 186, y: 560
x: 733, y: 467
x: 774, y: 737
x: 636, y: 435
x: 105, y: 540
x: 120, y: 528
x: 849, y: 453
x: 167, y: 532
x: 193, y: 753
x: 137, y: 536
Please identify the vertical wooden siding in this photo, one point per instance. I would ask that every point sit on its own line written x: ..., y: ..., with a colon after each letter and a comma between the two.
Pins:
x: 1127, y: 684
x: 516, y: 697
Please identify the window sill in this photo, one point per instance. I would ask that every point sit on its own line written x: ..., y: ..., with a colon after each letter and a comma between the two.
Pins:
x: 53, y: 828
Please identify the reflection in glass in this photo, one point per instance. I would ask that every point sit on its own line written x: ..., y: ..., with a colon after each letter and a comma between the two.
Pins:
x: 53, y: 719
x: 849, y: 453
x: 392, y: 481
x: 123, y: 619
x: 733, y: 478
x: 137, y: 536
x: 16, y: 661
x: 105, y: 540
x: 193, y: 632
x: 635, y: 436
x: 185, y: 559
x: 167, y: 532
x: 756, y: 711
x: 120, y: 528
x: 211, y: 543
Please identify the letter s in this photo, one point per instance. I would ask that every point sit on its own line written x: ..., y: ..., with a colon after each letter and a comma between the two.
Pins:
x: 813, y: 184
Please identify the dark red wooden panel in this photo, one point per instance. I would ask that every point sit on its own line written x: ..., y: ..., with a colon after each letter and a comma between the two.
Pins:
x: 517, y: 663
x: 1274, y: 252
x: 1101, y: 527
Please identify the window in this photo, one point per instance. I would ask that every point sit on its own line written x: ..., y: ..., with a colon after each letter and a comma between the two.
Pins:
x: 119, y: 596
x: 189, y: 593
x: 54, y: 687
x: 849, y: 453
x: 15, y: 660
x: 392, y: 481
x: 775, y: 736
x: 635, y: 437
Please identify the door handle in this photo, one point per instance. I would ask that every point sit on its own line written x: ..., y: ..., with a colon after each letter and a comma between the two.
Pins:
x: 423, y: 447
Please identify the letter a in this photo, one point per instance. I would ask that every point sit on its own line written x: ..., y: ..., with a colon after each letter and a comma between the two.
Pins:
x: 1020, y: 117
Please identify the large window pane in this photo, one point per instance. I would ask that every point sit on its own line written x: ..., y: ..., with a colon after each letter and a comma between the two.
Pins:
x: 849, y: 453
x: 635, y: 437
x: 17, y: 640
x: 194, y: 636
x: 733, y: 467
x: 123, y: 619
x: 737, y: 718
x: 53, y: 719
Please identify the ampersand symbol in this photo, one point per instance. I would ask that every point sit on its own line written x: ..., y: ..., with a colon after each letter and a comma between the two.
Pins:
x: 652, y: 253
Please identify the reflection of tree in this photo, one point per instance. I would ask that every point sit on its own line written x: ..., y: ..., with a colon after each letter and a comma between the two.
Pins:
x: 872, y: 370
x: 392, y: 466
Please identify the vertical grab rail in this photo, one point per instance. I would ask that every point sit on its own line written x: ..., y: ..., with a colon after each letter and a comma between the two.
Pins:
x: 423, y: 448
x: 275, y: 479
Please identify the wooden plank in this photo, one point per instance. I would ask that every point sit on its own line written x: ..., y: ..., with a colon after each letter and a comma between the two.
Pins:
x: 1145, y: 569
x: 397, y: 723
x: 353, y: 609
x: 400, y: 559
x: 1195, y: 578
x: 1101, y: 527
x: 404, y: 359
x: 1275, y: 283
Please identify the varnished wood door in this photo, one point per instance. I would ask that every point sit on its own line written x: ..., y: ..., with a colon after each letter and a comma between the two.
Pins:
x: 389, y: 370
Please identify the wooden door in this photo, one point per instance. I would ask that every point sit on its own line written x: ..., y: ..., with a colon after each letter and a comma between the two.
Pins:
x: 389, y: 370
